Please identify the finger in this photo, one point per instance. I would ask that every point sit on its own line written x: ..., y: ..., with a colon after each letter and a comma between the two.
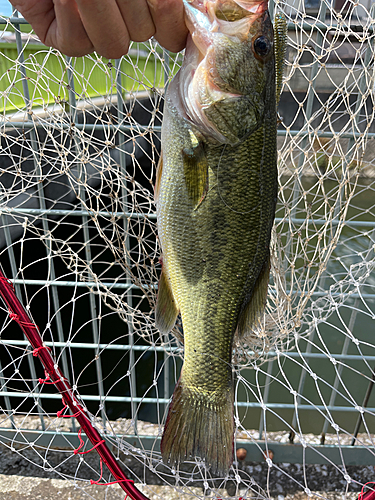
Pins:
x: 137, y: 18
x: 168, y: 17
x: 40, y: 14
x: 67, y: 32
x: 57, y: 24
x: 105, y: 27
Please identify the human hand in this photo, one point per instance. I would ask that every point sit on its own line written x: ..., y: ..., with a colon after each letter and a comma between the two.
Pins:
x: 79, y: 27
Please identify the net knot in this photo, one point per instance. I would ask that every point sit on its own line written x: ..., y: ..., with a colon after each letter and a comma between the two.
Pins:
x: 46, y: 380
x: 13, y: 316
x: 81, y: 443
x: 36, y: 351
x: 112, y: 482
x: 3, y: 279
x: 60, y: 413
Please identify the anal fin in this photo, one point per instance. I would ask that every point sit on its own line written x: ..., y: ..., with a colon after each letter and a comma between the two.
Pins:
x: 254, y: 308
x: 166, y: 310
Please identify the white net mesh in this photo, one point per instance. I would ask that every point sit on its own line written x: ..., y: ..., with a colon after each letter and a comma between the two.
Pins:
x: 80, y: 140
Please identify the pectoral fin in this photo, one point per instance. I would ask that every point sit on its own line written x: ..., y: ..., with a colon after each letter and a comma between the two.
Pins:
x: 253, y: 310
x: 166, y: 309
x: 195, y: 172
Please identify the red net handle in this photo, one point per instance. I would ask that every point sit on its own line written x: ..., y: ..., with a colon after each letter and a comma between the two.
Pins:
x: 19, y: 314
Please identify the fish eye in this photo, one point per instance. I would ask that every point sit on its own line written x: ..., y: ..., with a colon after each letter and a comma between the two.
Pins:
x: 262, y: 46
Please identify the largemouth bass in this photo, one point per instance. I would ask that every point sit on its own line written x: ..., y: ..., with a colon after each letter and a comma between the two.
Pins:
x: 215, y: 193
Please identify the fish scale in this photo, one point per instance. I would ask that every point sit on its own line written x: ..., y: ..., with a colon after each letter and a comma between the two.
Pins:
x: 216, y: 196
x: 203, y: 278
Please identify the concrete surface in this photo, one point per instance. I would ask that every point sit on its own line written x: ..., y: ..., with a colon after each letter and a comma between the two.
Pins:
x: 46, y: 474
x: 28, y: 488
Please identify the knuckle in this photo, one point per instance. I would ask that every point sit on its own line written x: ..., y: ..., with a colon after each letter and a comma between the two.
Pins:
x: 71, y: 52
x: 164, y: 6
x: 113, y: 52
x: 74, y: 50
x: 176, y: 47
x: 172, y: 45
x: 84, y: 3
x: 144, y: 36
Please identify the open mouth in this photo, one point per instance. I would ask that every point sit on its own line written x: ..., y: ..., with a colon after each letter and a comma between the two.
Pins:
x: 201, y: 86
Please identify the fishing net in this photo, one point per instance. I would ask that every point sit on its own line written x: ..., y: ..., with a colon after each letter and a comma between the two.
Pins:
x: 80, y: 141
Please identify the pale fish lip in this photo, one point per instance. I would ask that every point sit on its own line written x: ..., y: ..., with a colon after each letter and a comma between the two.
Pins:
x: 254, y: 6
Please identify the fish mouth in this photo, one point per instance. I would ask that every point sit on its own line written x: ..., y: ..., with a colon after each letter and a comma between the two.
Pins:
x: 200, y: 85
x: 205, y: 18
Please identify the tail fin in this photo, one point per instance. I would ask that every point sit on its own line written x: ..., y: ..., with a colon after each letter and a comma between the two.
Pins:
x: 199, y: 425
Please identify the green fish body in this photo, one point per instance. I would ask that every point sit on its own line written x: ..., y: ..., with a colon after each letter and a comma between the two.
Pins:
x: 215, y: 194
